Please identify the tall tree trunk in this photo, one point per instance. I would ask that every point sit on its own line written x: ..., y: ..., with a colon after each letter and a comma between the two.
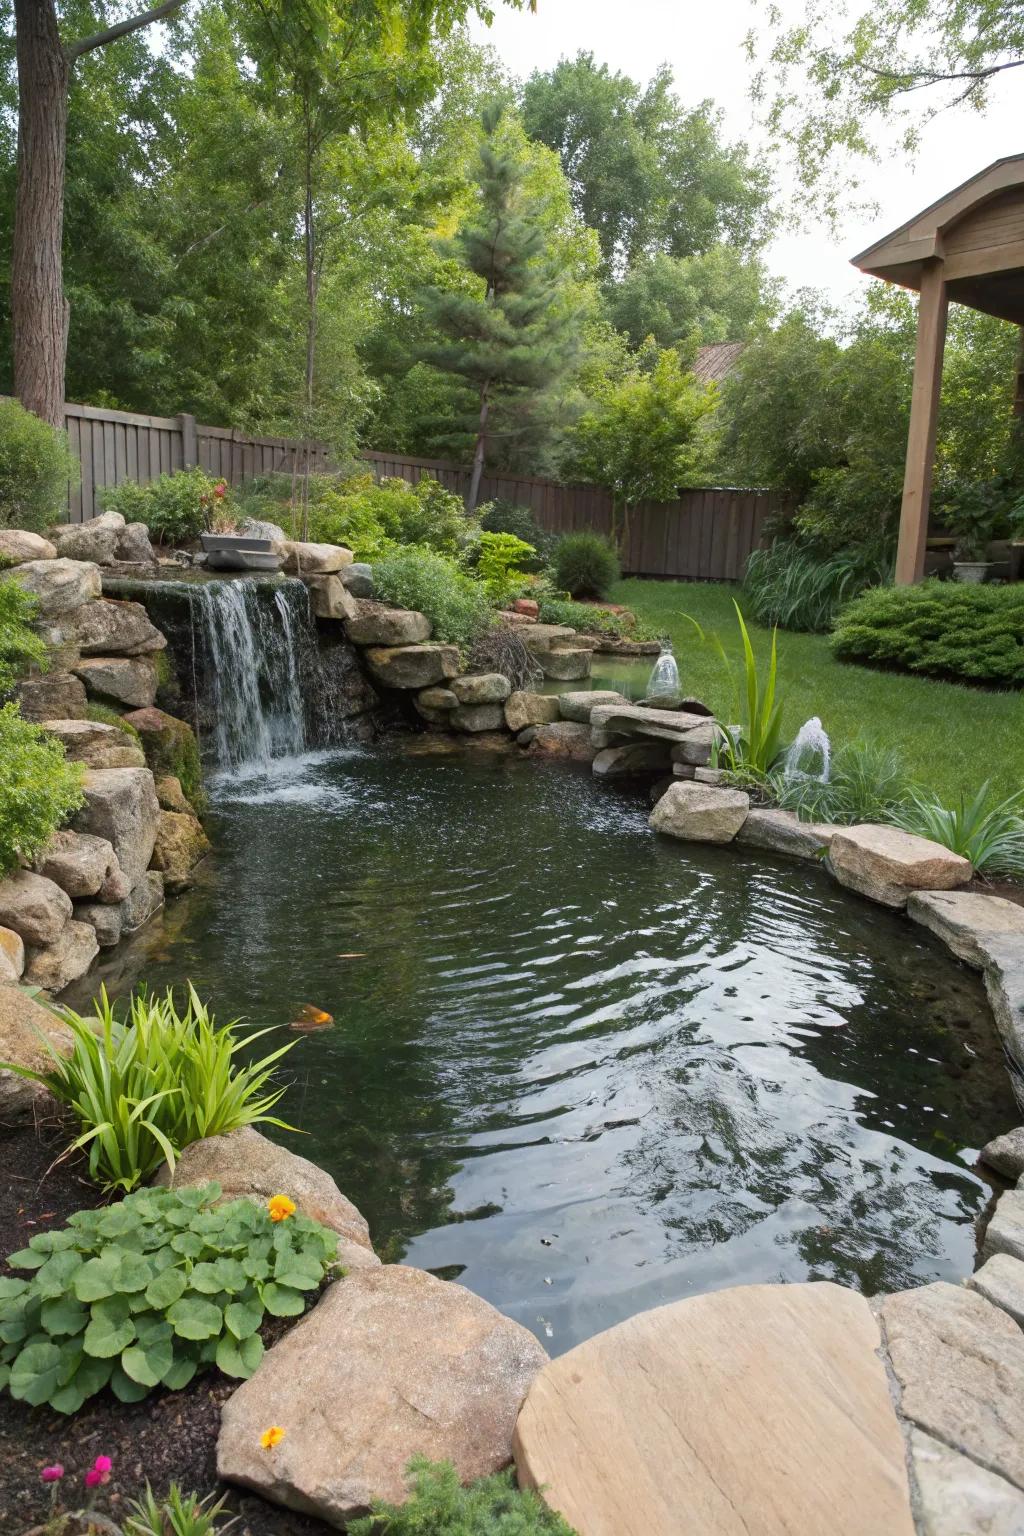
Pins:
x: 39, y: 310
x: 480, y: 450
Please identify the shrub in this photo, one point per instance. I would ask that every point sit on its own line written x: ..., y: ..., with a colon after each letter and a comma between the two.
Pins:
x: 585, y: 565
x: 19, y: 644
x: 991, y: 836
x: 867, y: 782
x: 940, y: 629
x: 368, y: 517
x: 39, y: 788
x: 175, y: 508
x: 149, y: 1291
x: 589, y: 620
x: 501, y: 564
x: 143, y: 1089
x: 36, y: 466
x: 456, y: 606
x: 440, y: 1506
x: 791, y: 587
x: 507, y: 517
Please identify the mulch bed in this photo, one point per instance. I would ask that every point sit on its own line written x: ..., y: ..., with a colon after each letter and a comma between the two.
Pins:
x: 168, y: 1437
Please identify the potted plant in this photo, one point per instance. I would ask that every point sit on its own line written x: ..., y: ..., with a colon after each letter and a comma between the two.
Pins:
x: 972, y: 518
x: 228, y: 550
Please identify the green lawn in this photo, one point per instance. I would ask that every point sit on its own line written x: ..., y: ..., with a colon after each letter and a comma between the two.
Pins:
x: 951, y: 738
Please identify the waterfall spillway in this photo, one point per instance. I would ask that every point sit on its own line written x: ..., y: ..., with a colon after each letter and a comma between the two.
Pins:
x: 259, y: 654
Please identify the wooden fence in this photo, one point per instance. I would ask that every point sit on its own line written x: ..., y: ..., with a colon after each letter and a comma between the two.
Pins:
x: 704, y: 535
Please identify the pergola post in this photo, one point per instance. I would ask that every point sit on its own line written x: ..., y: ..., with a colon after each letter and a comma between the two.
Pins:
x: 924, y: 412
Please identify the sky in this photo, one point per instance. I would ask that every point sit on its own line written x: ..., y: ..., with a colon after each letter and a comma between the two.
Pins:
x: 703, y: 46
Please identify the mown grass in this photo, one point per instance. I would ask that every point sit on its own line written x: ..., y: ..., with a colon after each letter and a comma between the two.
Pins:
x: 951, y: 738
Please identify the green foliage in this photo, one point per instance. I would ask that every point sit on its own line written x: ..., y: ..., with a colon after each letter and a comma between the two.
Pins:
x: 179, y: 1514
x: 788, y: 585
x: 149, y: 1291
x: 456, y: 605
x: 439, y: 1506
x: 175, y: 508
x: 643, y: 439
x: 938, y: 629
x: 718, y: 295
x: 867, y: 782
x: 103, y: 714
x: 36, y: 466
x: 368, y: 517
x: 757, y: 746
x: 646, y: 173
x: 19, y: 643
x: 585, y: 565
x: 501, y: 564
x: 979, y: 512
x: 991, y: 836
x: 507, y: 517
x: 144, y: 1088
x: 39, y: 788
x: 589, y: 619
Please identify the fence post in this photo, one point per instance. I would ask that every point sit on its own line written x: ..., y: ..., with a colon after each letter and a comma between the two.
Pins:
x: 189, y: 440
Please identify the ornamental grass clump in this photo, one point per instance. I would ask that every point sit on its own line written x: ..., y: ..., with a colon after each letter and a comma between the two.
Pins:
x: 990, y: 835
x: 148, y: 1292
x: 144, y: 1088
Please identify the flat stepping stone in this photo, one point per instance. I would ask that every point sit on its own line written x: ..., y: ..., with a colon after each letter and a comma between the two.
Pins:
x: 1001, y: 1281
x: 967, y: 922
x: 956, y: 1497
x: 783, y: 832
x: 391, y: 1364
x: 886, y: 864
x: 757, y: 1411
x: 637, y: 720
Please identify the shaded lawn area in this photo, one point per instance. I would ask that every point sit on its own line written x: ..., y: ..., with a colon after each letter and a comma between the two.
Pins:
x: 950, y: 738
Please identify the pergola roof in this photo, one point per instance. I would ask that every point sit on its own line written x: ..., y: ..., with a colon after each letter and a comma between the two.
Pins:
x: 976, y: 232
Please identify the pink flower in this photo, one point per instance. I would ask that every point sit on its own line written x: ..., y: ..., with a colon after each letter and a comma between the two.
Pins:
x: 103, y: 1464
x: 52, y: 1474
x: 99, y: 1472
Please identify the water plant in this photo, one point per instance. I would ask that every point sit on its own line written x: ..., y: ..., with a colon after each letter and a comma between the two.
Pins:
x: 144, y: 1088
x: 757, y: 745
x: 438, y: 1505
x: 149, y: 1291
x: 990, y: 835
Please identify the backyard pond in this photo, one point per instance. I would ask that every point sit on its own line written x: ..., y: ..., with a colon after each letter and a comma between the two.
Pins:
x: 579, y: 1068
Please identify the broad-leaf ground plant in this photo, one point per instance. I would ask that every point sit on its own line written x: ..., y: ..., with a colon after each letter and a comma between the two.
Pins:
x: 147, y: 1292
x: 145, y: 1087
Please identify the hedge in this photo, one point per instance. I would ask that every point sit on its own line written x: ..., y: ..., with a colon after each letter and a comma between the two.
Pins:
x: 938, y: 629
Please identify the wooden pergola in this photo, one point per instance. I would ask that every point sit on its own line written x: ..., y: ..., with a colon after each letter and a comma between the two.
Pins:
x: 968, y: 247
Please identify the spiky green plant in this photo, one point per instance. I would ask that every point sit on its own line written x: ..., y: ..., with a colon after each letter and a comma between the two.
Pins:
x: 991, y: 836
x: 144, y: 1088
x: 179, y: 1514
x: 757, y: 746
x: 790, y: 587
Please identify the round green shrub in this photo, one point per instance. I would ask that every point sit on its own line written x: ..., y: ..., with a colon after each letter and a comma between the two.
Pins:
x: 175, y: 508
x: 585, y: 565
x: 36, y: 467
x: 456, y: 605
x: 943, y: 629
x: 508, y: 517
x: 39, y: 788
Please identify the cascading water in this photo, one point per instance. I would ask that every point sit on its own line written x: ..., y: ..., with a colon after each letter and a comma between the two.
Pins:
x: 810, y: 755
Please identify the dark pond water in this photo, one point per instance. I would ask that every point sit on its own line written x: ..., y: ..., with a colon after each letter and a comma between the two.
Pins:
x: 583, y: 1069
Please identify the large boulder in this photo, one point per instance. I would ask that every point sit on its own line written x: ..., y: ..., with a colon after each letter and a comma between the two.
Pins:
x: 523, y: 709
x: 105, y: 920
x: 143, y: 901
x: 78, y: 862
x: 171, y: 796
x: 956, y: 1497
x: 97, y: 744
x: 58, y: 696
x: 121, y: 805
x: 412, y: 666
x: 64, y: 961
x: 482, y: 688
x: 541, y: 637
x: 959, y: 1362
x: 374, y: 625
x: 329, y: 598
x: 759, y: 1409
x: 1006, y: 1153
x: 783, y: 832
x: 94, y: 540
x: 580, y: 706
x: 472, y: 718
x: 398, y: 1364
x: 36, y: 908
x: 566, y: 665
x: 886, y: 864
x: 700, y: 813
x: 60, y: 585
x: 247, y: 1164
x: 12, y: 955
x: 17, y: 547
x: 1001, y: 1281
x: 437, y: 700
x: 696, y: 748
x: 170, y: 746
x: 108, y: 628
x: 358, y: 578
x: 25, y: 1029
x: 314, y: 559
x: 565, y: 739
x: 130, y: 680
x: 134, y: 546
x: 180, y: 845
x: 1005, y: 1230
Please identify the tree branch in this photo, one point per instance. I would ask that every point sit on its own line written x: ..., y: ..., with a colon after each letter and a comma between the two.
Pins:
x: 122, y: 28
x: 918, y: 79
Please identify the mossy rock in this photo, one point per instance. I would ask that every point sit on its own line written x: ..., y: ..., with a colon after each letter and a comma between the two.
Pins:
x: 171, y: 751
x: 103, y: 714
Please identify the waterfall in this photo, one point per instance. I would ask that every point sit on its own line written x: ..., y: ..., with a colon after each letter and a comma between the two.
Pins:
x: 257, y: 641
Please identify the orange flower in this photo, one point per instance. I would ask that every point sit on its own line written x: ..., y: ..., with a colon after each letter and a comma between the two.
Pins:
x: 280, y: 1207
x: 271, y: 1437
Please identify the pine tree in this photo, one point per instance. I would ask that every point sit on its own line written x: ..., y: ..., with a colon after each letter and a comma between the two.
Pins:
x: 508, y: 336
